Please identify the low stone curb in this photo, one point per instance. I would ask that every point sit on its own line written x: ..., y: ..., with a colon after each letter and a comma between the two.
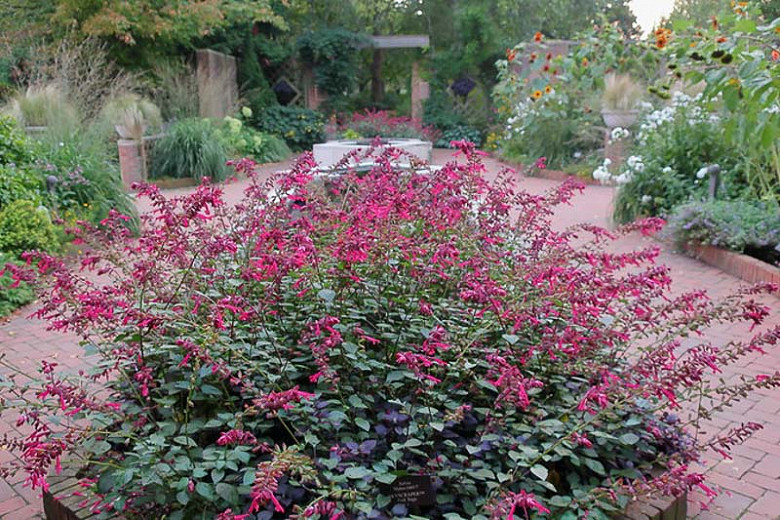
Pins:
x: 742, y: 266
x: 60, y: 502
x: 560, y: 176
x: 549, y: 174
x: 663, y: 508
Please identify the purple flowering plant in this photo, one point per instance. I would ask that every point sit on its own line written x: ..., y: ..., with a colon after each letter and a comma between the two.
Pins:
x: 294, y: 355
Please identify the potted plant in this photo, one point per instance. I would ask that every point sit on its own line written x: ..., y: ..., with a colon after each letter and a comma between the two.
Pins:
x: 42, y: 107
x: 131, y: 115
x: 619, y: 100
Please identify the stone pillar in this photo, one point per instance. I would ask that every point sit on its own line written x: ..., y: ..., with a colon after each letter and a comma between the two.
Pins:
x: 614, y: 150
x: 217, y: 84
x: 421, y: 91
x: 131, y: 163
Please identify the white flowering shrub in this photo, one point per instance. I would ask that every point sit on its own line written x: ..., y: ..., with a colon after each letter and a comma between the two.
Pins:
x: 553, y: 124
x: 672, y: 147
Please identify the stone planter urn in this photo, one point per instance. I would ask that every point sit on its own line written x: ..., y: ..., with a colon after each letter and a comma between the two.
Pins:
x: 619, y: 118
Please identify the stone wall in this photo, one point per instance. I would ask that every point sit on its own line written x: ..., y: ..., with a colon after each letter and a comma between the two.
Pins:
x: 217, y: 84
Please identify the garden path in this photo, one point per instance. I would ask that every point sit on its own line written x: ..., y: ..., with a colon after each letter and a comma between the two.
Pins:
x: 752, y: 477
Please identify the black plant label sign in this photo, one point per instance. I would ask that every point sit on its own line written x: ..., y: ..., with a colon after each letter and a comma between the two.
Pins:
x: 411, y: 490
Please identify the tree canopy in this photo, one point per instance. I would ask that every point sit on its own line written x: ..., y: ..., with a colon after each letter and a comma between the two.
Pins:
x: 164, y: 22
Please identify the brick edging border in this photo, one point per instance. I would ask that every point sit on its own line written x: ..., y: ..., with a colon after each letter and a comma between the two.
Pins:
x: 662, y: 508
x: 742, y: 266
x: 558, y: 175
x: 547, y: 173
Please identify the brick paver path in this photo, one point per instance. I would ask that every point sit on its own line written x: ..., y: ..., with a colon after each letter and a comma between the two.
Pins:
x: 752, y: 477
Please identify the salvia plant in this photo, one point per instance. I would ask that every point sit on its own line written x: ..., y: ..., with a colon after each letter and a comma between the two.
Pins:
x: 299, y: 354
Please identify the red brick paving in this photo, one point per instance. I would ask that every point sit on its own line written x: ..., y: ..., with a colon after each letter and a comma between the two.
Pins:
x: 752, y: 478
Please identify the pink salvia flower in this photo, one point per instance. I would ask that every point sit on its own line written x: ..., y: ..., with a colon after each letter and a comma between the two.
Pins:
x: 525, y: 501
x: 284, y: 400
x: 236, y: 437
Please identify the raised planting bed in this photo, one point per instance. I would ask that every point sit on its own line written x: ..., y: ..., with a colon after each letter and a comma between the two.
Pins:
x: 664, y: 508
x: 742, y: 266
x: 330, y: 153
x: 64, y: 499
x: 60, y: 503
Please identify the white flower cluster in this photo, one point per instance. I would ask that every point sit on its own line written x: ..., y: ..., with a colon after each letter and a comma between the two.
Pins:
x: 601, y: 173
x: 645, y: 106
x: 681, y: 103
x: 774, y: 109
x: 525, y: 111
x: 681, y: 99
x: 619, y: 133
x: 517, y: 123
x: 634, y: 165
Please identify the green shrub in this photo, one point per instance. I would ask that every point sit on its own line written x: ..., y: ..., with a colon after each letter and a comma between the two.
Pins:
x: 255, y: 88
x: 244, y: 141
x: 738, y: 225
x: 439, y: 112
x: 17, y: 183
x: 459, y: 133
x: 556, y: 125
x: 191, y: 148
x: 332, y: 54
x: 12, y: 296
x: 672, y: 146
x: 16, y: 180
x: 25, y: 226
x: 13, y: 142
x: 301, y: 128
x: 89, y: 183
x: 274, y: 148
